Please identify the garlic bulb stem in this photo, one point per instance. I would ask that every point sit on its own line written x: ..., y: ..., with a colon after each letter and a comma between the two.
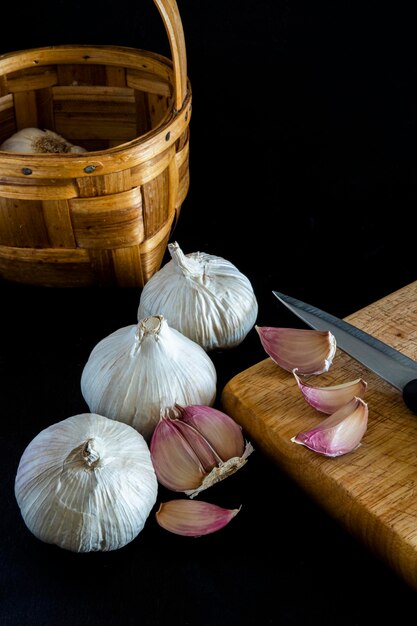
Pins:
x: 89, y: 453
x: 148, y: 326
x: 188, y: 265
x: 85, y: 456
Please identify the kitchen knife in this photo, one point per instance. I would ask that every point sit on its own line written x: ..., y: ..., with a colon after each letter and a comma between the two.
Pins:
x: 394, y: 367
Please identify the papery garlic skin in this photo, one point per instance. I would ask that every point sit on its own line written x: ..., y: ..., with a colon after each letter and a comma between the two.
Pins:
x: 35, y: 140
x: 139, y: 372
x: 329, y: 399
x: 86, y: 484
x: 339, y: 433
x: 203, y: 296
x: 193, y: 518
x: 197, y: 450
x: 306, y: 350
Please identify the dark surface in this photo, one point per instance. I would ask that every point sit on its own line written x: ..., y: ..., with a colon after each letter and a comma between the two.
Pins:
x: 303, y: 174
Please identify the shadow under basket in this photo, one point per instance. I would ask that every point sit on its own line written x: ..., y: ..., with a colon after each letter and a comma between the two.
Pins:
x: 101, y: 217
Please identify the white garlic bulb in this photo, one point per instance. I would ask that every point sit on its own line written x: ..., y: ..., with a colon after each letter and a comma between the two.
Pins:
x: 86, y: 483
x: 203, y: 296
x: 140, y: 372
x: 35, y: 140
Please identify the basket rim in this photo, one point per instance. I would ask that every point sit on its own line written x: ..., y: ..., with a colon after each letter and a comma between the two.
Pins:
x: 130, y: 153
x: 6, y: 57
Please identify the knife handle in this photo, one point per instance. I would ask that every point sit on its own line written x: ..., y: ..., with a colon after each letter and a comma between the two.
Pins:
x: 410, y: 395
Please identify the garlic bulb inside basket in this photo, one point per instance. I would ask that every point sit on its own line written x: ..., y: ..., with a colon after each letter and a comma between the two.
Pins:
x: 36, y: 140
x: 203, y: 296
x: 139, y: 372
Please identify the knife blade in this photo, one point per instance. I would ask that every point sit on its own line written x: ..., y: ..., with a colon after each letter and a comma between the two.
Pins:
x: 393, y: 366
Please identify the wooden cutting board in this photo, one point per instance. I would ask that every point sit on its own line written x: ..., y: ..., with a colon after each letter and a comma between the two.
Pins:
x: 371, y: 491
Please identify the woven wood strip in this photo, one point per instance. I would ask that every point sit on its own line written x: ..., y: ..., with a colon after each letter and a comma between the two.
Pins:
x: 37, y: 189
x: 173, y: 186
x: 31, y: 82
x: 127, y: 265
x: 157, y: 106
x: 155, y: 202
x: 103, y: 185
x: 49, y: 267
x: 108, y: 221
x: 22, y: 224
x: 83, y: 113
x: 81, y: 74
x: 84, y: 55
x: 118, y: 127
x: 150, y: 169
x: 45, y: 108
x: 183, y: 177
x: 57, y: 216
x: 153, y: 249
x: 144, y: 81
x: 6, y: 103
x: 3, y: 86
x: 27, y: 71
x: 101, y: 262
x: 25, y: 109
x: 182, y: 156
x: 64, y: 96
x: 143, y: 119
x: 115, y: 76
x: 7, y: 118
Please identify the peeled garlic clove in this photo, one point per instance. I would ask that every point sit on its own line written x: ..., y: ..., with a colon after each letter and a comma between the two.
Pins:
x: 203, y: 296
x: 306, y: 350
x: 185, y: 455
x: 339, y: 433
x: 193, y: 518
x: 138, y: 372
x: 329, y: 399
x: 86, y: 483
x: 35, y: 140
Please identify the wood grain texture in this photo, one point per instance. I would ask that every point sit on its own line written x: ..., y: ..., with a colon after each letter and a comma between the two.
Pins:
x: 371, y: 491
x: 130, y: 110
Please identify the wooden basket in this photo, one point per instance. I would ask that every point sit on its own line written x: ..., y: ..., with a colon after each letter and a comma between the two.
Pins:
x: 103, y: 217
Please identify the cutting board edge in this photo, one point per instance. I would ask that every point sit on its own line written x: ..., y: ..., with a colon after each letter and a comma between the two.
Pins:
x: 381, y: 540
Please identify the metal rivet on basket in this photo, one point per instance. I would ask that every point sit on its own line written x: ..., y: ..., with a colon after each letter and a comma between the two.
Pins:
x: 167, y: 136
x: 89, y: 168
x: 26, y: 171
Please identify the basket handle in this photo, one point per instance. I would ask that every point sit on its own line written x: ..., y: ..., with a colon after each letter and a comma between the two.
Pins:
x: 169, y: 12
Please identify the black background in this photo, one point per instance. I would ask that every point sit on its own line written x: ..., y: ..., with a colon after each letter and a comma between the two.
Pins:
x: 303, y: 174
